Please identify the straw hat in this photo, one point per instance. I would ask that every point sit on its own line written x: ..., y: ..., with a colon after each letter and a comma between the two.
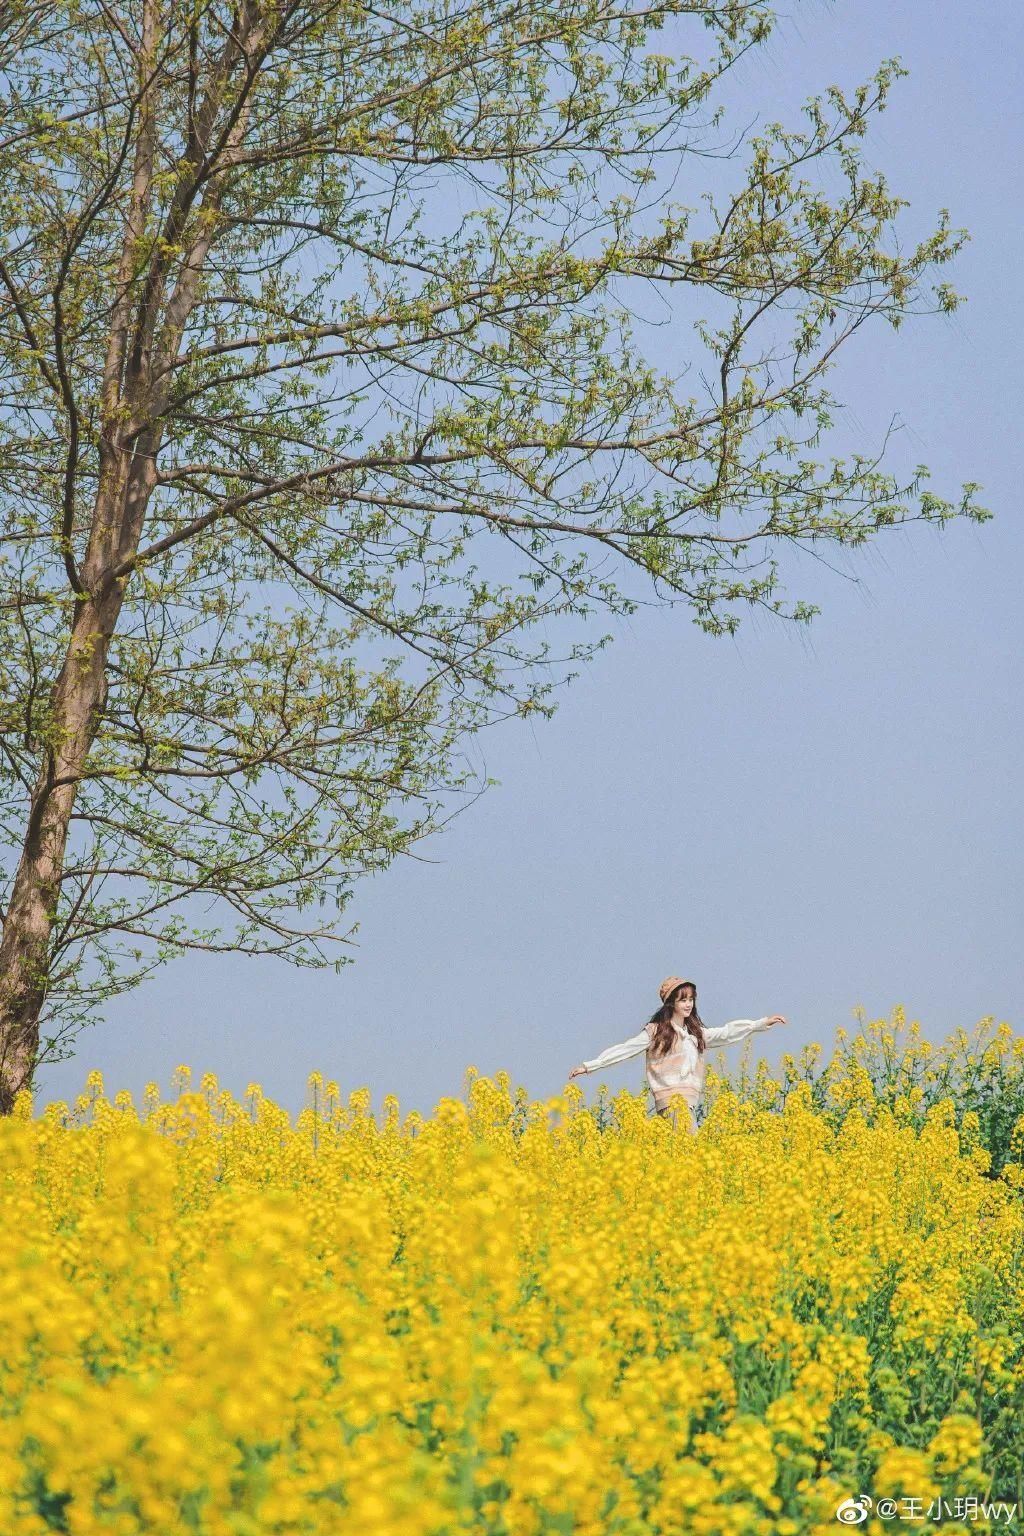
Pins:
x: 670, y: 984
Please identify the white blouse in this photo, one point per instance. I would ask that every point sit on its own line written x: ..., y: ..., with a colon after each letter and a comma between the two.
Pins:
x: 681, y: 1070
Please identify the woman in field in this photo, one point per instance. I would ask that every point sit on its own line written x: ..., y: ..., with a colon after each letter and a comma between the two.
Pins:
x: 675, y: 1040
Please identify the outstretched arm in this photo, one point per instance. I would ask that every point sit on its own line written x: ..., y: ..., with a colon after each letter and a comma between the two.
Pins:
x: 738, y: 1029
x: 615, y: 1053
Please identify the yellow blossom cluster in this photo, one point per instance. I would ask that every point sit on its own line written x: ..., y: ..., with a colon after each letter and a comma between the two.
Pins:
x: 506, y: 1319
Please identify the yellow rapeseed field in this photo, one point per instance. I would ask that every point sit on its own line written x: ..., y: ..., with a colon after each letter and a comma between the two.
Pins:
x: 514, y: 1316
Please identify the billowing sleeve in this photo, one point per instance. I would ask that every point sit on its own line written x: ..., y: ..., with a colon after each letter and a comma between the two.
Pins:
x: 623, y: 1052
x: 735, y: 1031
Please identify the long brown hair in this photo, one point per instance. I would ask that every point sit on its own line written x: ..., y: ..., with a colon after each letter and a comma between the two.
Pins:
x: 664, y: 1035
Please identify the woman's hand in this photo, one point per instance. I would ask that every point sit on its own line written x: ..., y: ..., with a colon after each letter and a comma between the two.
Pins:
x: 776, y: 1018
x: 576, y: 1072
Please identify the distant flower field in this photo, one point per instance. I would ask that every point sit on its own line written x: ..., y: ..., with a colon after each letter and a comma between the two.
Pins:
x: 521, y: 1317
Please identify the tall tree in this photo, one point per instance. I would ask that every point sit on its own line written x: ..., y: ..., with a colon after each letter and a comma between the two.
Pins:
x: 320, y: 395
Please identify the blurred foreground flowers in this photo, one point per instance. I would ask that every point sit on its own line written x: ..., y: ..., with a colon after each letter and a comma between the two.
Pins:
x: 515, y: 1316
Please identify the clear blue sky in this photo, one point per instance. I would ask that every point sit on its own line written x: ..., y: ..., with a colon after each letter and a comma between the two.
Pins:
x: 804, y: 821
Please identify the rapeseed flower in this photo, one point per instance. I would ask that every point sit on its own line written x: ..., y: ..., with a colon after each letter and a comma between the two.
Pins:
x: 510, y: 1316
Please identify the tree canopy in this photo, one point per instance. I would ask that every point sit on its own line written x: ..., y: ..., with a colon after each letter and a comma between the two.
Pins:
x: 330, y: 425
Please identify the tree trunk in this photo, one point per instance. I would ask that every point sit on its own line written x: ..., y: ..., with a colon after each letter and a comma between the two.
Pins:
x: 77, y: 701
x: 76, y: 705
